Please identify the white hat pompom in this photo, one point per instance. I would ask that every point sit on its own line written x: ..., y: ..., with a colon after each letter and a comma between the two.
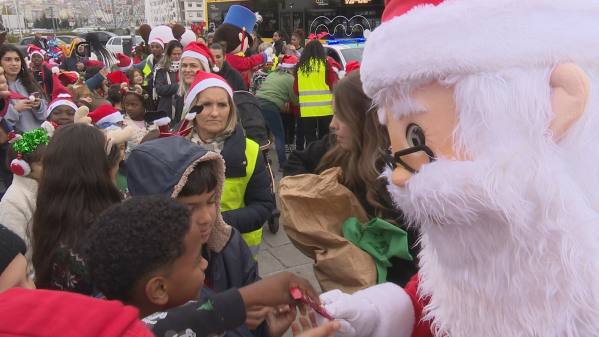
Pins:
x: 55, y: 70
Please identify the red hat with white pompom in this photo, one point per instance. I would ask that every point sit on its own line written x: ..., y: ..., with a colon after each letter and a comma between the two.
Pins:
x: 124, y: 62
x: 61, y: 96
x: 105, y: 114
x: 26, y: 144
x: 203, y: 81
x: 201, y: 52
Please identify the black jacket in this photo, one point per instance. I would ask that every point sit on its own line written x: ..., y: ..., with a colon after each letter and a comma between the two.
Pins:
x: 70, y: 63
x: 258, y: 198
x: 303, y: 162
x: 166, y: 93
x: 233, y: 77
x: 157, y: 167
x: 43, y: 45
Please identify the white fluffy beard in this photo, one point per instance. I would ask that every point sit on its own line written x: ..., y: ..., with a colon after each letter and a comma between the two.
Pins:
x: 509, y: 247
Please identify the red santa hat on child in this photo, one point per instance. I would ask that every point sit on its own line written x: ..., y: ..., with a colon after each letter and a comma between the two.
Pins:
x: 117, y: 77
x: 124, y: 62
x: 157, y: 40
x: 60, y: 96
x: 201, y: 52
x: 288, y: 61
x: 33, y: 49
x: 105, y: 114
x: 203, y: 81
x: 427, y: 39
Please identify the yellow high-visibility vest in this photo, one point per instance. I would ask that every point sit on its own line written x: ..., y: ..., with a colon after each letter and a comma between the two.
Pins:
x: 234, y: 193
x: 147, y: 72
x: 315, y: 97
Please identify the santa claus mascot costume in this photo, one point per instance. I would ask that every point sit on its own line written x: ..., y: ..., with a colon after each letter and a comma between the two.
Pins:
x: 236, y: 32
x: 492, y: 111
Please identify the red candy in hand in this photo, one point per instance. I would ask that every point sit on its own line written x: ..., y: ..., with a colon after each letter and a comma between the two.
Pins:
x: 299, y: 295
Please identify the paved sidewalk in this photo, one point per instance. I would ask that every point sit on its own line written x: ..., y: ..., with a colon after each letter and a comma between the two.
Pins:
x: 278, y: 254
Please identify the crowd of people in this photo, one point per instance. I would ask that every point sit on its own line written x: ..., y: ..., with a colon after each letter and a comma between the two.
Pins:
x: 99, y: 146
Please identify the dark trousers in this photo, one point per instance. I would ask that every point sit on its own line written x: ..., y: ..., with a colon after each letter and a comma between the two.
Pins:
x: 289, y: 127
x: 315, y: 128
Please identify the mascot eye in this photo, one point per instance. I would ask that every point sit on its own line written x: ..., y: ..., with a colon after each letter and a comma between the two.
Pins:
x: 414, y: 135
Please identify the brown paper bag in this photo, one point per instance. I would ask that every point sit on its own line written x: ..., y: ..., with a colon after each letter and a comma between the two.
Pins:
x: 313, y: 208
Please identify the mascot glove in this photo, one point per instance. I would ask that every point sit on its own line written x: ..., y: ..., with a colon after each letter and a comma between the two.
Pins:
x: 357, y: 316
x: 269, y: 52
x: 269, y: 59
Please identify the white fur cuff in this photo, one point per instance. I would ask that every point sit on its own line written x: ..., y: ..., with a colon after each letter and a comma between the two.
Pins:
x: 395, y: 308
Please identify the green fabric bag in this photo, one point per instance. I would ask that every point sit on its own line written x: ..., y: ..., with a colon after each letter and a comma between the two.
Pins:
x: 379, y: 239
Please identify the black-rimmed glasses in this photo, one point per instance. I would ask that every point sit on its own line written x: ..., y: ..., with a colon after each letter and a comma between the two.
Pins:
x: 393, y: 160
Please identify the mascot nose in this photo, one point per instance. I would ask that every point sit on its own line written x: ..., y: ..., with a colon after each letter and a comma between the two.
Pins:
x: 400, y: 176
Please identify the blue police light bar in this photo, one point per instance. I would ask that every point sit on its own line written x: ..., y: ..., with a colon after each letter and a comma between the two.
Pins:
x: 346, y: 41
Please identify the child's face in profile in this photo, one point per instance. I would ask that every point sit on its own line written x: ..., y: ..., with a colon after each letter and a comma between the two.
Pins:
x: 15, y: 275
x: 62, y: 115
x: 134, y: 107
x: 203, y: 212
x: 186, y: 277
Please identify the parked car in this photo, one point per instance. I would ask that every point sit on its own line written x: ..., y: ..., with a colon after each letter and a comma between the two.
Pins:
x: 23, y: 42
x: 104, y: 36
x: 115, y: 44
x: 343, y: 53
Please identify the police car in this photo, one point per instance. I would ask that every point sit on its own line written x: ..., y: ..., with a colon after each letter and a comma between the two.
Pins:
x: 344, y: 51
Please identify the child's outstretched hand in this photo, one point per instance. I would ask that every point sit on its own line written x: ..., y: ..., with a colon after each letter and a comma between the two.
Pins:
x: 326, y: 330
x: 279, y: 320
x: 273, y: 291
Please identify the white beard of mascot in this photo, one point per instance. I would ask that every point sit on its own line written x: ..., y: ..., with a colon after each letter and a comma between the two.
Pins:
x: 492, y: 110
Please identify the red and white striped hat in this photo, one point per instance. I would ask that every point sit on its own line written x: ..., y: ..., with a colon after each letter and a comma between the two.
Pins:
x: 203, y: 81
x: 201, y: 52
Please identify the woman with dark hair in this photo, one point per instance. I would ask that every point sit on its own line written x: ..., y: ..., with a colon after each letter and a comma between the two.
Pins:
x: 295, y: 48
x: 314, y: 81
x: 75, y: 188
x: 100, y: 53
x: 166, y: 80
x: 23, y: 114
x: 354, y: 148
x: 277, y: 43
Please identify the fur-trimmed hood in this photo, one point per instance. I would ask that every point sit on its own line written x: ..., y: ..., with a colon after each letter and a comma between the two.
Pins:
x: 162, y: 166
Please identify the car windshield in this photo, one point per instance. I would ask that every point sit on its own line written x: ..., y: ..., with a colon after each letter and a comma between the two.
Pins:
x: 353, y: 54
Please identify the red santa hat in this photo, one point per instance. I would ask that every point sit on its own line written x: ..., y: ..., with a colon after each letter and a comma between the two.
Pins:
x: 157, y: 40
x: 428, y: 39
x: 105, y: 114
x: 117, y: 77
x: 201, y: 52
x: 60, y: 96
x: 32, y: 49
x: 336, y: 66
x: 65, y: 78
x: 351, y: 66
x: 288, y: 61
x: 124, y: 62
x: 203, y: 81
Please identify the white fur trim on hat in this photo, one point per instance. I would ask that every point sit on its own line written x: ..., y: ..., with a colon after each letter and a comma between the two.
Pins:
x: 112, y: 118
x: 473, y: 36
x: 159, y: 41
x: 58, y: 102
x: 205, y: 84
x: 194, y: 54
x: 162, y: 121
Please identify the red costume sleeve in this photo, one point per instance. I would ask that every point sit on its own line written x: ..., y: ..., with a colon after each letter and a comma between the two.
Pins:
x: 331, y: 77
x: 243, y: 64
x: 421, y: 328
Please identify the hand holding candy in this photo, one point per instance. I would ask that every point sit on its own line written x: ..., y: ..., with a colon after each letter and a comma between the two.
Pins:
x: 299, y: 295
x: 357, y: 316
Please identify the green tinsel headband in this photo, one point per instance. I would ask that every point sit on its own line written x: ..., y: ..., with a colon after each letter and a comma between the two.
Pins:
x: 30, y: 141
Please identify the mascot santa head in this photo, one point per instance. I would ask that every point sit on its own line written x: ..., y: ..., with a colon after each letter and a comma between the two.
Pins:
x: 236, y: 30
x: 492, y: 108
